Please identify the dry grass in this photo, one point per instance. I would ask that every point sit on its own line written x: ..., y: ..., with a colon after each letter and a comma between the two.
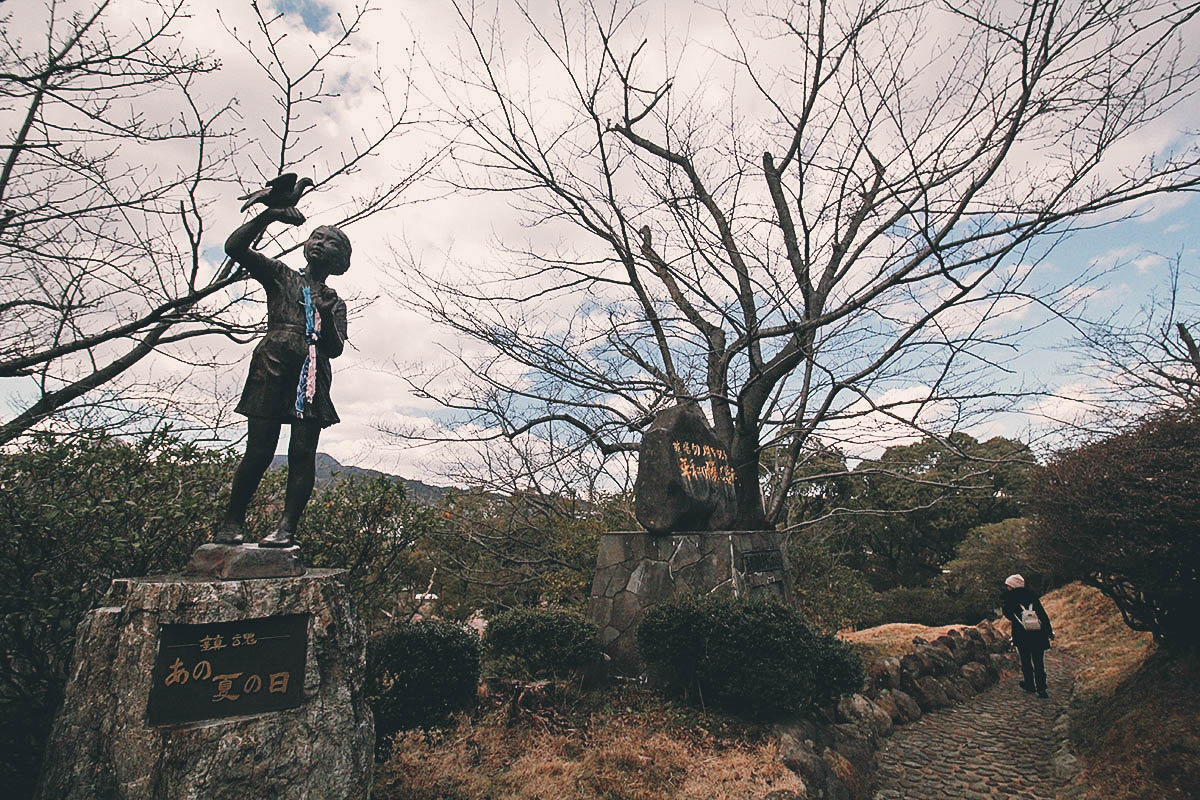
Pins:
x: 1135, y: 713
x: 1142, y: 740
x: 892, y: 640
x: 1135, y: 717
x: 644, y: 753
x: 1088, y: 626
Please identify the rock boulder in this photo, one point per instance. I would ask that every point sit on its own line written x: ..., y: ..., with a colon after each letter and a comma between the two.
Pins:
x: 104, y: 745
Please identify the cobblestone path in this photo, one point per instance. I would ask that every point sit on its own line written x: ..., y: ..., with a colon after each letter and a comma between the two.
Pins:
x: 1003, y: 743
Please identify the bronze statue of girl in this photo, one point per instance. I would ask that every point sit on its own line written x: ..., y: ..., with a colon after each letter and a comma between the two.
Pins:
x: 289, y: 376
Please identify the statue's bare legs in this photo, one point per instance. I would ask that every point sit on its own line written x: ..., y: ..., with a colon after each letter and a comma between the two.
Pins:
x: 261, y: 440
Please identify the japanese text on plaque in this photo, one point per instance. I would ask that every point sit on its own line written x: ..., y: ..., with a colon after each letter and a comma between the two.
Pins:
x: 228, y: 669
x: 702, y: 462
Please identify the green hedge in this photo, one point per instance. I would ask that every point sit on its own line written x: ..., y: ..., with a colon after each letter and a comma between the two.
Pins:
x: 540, y: 643
x: 74, y: 514
x: 920, y: 604
x: 752, y: 658
x: 418, y: 674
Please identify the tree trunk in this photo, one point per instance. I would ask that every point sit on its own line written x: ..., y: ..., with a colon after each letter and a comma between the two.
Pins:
x: 743, y: 457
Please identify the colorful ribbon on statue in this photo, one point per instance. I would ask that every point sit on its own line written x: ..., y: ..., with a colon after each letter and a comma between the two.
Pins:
x: 306, y: 389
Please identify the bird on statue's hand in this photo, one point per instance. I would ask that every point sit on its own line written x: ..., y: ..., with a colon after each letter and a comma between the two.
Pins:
x: 282, y: 192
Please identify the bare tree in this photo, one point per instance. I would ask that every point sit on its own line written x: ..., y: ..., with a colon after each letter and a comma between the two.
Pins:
x: 114, y: 153
x: 837, y: 235
x: 1145, y: 362
x: 521, y: 533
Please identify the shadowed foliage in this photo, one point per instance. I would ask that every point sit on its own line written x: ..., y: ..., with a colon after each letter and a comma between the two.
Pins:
x: 76, y: 513
x: 541, y: 642
x: 73, y: 516
x: 751, y: 658
x: 1121, y: 514
x: 420, y: 673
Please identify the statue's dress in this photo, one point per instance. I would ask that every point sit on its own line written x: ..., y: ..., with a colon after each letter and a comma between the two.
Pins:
x: 270, y: 391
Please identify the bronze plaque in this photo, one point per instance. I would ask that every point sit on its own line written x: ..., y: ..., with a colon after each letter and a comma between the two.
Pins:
x: 228, y: 669
x: 763, y: 561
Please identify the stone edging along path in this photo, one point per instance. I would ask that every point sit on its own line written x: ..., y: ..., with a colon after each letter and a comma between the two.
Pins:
x: 834, y: 752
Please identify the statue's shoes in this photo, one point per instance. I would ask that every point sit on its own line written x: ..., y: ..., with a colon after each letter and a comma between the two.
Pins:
x: 228, y: 534
x: 281, y: 537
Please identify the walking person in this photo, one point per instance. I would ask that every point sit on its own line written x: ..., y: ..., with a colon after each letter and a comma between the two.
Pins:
x: 1031, y: 632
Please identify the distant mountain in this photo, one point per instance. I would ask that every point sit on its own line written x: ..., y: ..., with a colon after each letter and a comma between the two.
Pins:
x: 330, y: 469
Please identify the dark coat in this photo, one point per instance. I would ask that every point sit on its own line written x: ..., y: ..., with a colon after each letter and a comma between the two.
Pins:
x: 1034, y: 640
x: 271, y: 385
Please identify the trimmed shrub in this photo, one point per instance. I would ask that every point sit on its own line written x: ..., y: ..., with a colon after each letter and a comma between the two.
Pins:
x: 541, y: 642
x: 418, y: 674
x: 673, y: 638
x: 752, y: 658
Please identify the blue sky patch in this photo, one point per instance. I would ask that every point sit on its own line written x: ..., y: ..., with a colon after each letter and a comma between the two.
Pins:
x: 314, y: 13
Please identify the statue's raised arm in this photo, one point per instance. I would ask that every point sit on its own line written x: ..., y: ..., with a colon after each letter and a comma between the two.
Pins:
x: 279, y: 198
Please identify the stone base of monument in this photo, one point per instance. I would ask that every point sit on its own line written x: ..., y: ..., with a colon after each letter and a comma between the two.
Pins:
x: 195, y: 689
x: 233, y: 562
x: 638, y: 570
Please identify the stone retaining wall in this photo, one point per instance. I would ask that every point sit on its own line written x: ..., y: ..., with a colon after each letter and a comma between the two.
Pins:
x: 833, y: 751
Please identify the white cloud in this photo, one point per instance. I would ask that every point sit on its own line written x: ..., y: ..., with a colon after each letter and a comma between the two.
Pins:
x: 1071, y: 404
x: 457, y: 233
x: 1149, y: 262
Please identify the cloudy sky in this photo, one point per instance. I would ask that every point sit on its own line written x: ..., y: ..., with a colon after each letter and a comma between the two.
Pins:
x: 404, y: 53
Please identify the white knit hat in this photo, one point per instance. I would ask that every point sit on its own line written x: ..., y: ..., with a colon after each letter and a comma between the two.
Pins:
x: 1014, y: 582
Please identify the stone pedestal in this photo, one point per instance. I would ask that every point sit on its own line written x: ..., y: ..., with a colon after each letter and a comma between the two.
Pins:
x: 238, y: 745
x: 235, y: 562
x: 638, y: 570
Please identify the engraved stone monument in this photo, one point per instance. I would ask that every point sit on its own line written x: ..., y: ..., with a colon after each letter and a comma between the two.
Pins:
x: 215, y: 690
x: 684, y: 497
x: 684, y: 481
